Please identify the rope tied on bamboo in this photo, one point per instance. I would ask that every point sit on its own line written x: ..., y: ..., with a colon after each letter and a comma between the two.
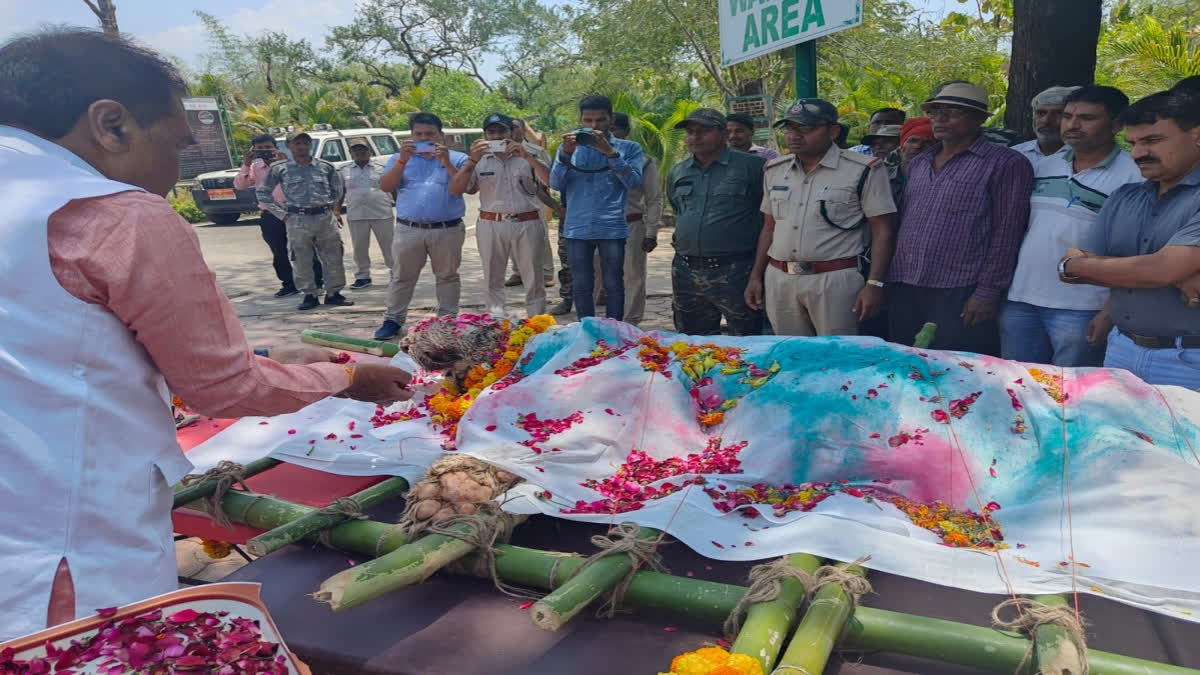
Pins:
x: 766, y: 583
x: 622, y: 539
x: 225, y: 474
x: 1031, y: 615
x: 346, y: 507
x: 488, y: 526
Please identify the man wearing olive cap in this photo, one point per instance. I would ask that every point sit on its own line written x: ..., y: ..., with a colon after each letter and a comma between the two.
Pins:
x: 715, y: 194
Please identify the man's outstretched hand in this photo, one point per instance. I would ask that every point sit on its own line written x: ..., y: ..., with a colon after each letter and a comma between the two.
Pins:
x: 378, y: 383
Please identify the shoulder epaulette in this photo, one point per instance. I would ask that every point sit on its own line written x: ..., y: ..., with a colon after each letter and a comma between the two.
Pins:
x: 859, y: 158
x: 782, y: 159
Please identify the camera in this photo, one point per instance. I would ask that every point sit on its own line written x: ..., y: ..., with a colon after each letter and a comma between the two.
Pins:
x: 425, y: 147
x: 584, y: 136
x: 267, y: 156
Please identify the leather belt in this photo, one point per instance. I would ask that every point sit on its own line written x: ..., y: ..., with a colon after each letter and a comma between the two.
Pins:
x: 309, y: 210
x: 1163, y: 341
x: 792, y: 267
x: 715, y: 260
x: 519, y: 217
x: 430, y: 226
x: 632, y: 217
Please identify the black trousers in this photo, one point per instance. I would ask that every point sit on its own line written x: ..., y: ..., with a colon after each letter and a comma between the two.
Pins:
x: 274, y: 232
x: 910, y: 307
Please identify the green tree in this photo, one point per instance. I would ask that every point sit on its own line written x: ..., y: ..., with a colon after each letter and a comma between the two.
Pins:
x: 460, y: 100
x: 1140, y: 55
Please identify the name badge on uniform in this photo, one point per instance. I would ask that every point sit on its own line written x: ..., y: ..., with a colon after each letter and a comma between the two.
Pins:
x: 487, y: 173
x: 779, y: 187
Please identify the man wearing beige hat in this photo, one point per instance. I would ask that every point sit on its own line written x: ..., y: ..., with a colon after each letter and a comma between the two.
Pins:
x: 965, y: 209
x: 883, y: 141
x: 823, y: 207
x: 1048, y: 108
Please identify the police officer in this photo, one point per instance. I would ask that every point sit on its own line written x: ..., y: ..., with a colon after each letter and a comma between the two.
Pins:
x: 823, y: 208
x: 311, y: 188
x: 643, y: 212
x: 506, y: 175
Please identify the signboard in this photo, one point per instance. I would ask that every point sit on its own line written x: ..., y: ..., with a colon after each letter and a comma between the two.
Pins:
x: 758, y: 107
x: 211, y: 151
x: 751, y: 28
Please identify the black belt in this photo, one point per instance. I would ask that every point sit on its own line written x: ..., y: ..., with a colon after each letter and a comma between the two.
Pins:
x: 1163, y: 341
x: 714, y: 260
x: 431, y: 226
x: 309, y: 210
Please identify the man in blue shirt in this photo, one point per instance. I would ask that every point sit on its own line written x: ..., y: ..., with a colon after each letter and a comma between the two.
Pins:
x: 1151, y: 248
x: 594, y: 170
x: 429, y: 221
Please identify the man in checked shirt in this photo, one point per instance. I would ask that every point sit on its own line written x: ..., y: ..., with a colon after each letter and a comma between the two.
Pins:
x: 964, y: 212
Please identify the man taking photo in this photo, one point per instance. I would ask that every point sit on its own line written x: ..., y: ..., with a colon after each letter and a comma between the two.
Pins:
x: 594, y: 171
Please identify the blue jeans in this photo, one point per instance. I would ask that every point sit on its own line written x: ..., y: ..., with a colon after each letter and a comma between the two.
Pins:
x: 1046, y: 335
x: 1180, y: 367
x: 580, y: 256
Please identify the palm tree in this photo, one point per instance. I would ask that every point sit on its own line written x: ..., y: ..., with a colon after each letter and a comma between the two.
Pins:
x: 1141, y: 56
x: 656, y: 130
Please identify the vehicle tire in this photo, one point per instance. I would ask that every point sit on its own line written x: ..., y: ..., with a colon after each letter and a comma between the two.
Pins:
x: 224, y: 218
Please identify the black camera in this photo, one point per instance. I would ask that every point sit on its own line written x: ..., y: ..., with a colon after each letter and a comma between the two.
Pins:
x: 584, y: 136
x: 267, y: 156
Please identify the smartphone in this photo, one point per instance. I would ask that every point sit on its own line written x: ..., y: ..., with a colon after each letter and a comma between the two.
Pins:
x: 584, y: 136
x: 497, y: 147
x: 425, y: 147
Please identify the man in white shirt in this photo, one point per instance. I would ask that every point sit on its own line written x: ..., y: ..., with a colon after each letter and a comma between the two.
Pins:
x: 1044, y: 319
x: 1047, y: 117
x: 368, y: 209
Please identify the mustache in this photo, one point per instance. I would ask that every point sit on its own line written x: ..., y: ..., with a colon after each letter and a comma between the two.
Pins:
x: 1146, y: 160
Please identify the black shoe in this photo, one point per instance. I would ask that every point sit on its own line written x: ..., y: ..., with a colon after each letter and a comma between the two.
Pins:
x: 514, y: 280
x: 360, y: 283
x: 561, y: 308
x: 309, y: 302
x: 286, y: 291
x: 388, y: 330
x: 338, y: 299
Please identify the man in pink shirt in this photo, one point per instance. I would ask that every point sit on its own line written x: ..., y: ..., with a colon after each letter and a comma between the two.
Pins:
x: 115, y: 307
x: 256, y: 162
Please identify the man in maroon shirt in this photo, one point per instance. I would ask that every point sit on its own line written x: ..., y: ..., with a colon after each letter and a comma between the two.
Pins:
x: 965, y: 210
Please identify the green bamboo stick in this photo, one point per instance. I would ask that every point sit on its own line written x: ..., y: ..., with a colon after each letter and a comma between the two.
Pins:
x: 191, y: 493
x: 924, y: 337
x: 768, y: 623
x: 868, y: 630
x: 809, y: 649
x: 1056, y: 653
x: 598, y: 578
x: 349, y: 344
x: 316, y: 521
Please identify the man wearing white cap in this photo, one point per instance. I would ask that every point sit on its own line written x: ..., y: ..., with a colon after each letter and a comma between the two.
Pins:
x: 1047, y: 118
x: 965, y: 209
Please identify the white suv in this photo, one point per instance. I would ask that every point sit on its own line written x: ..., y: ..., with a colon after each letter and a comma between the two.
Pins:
x: 214, y: 193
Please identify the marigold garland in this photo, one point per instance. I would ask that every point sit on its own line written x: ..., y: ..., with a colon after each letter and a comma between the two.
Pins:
x: 450, y: 404
x: 714, y: 661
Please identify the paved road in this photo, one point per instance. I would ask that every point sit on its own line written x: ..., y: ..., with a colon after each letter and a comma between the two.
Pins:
x: 240, y: 259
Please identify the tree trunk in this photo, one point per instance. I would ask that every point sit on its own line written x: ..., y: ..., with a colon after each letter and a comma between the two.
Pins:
x: 106, y: 11
x: 1054, y: 43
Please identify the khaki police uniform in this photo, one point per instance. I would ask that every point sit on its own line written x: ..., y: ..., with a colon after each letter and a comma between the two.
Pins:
x: 812, y: 281
x: 510, y: 225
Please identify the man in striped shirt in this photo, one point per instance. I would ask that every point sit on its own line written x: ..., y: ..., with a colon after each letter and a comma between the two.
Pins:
x: 1046, y: 320
x: 965, y: 208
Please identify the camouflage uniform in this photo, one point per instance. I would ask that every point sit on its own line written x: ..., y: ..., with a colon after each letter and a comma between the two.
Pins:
x: 309, y: 187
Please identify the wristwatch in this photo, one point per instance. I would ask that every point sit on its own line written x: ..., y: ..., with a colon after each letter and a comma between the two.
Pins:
x: 615, y: 155
x: 875, y: 282
x: 1062, y: 268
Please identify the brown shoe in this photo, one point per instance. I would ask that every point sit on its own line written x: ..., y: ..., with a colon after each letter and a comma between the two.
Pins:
x: 549, y: 282
x: 514, y: 280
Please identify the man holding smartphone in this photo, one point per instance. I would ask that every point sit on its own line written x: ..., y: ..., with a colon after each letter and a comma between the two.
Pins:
x: 261, y: 154
x: 429, y: 221
x: 594, y: 171
x: 506, y: 176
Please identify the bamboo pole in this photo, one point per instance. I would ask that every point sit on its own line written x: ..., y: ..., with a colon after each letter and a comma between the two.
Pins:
x: 598, y: 578
x: 1056, y: 653
x: 768, y: 623
x: 349, y: 344
x: 869, y: 629
x: 191, y: 493
x: 317, y: 521
x: 809, y: 649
